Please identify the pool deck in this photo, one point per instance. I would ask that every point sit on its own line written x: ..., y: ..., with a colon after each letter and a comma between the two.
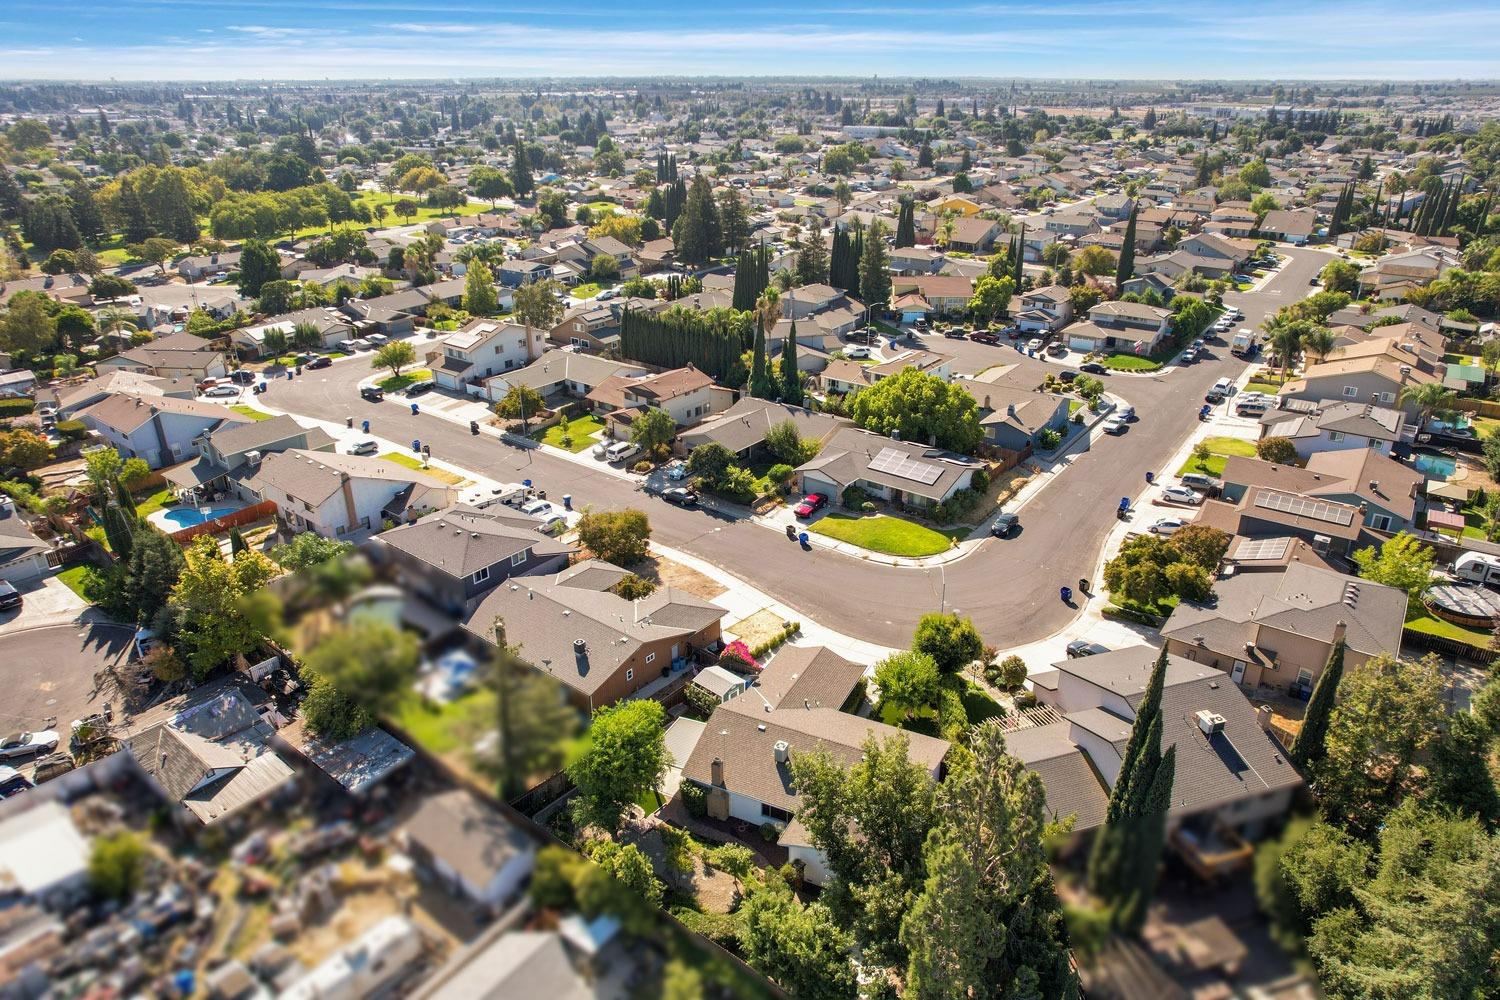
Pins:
x: 162, y: 520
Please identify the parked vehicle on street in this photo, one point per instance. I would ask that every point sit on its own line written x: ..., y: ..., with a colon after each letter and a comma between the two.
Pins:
x: 12, y: 782
x: 811, y: 504
x: 1219, y: 391
x: 984, y: 337
x: 321, y: 361
x: 243, y: 376
x: 1034, y: 344
x: 1004, y: 525
x: 1116, y: 424
x: 372, y: 392
x: 1093, y: 368
x: 10, y: 597
x: 366, y: 447
x: 28, y: 744
x: 680, y: 496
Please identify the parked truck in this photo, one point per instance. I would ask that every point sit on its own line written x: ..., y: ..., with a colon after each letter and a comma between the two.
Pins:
x: 1245, y: 343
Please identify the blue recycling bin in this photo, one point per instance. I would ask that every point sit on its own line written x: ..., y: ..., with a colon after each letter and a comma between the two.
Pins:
x: 1124, y: 503
x: 1067, y: 594
x: 803, y: 537
x: 414, y: 409
x: 1150, y: 478
x: 567, y: 501
x: 288, y: 375
x: 416, y: 446
x: 365, y: 426
x: 526, y: 483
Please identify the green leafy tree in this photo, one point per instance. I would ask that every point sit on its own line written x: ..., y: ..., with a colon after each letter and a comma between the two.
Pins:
x: 1307, y: 752
x: 374, y: 664
x: 1127, y: 850
x: 117, y: 863
x: 786, y: 443
x: 1401, y: 562
x: 480, y: 297
x: 991, y: 297
x: 696, y: 231
x: 791, y: 375
x: 920, y: 407
x: 207, y: 601
x: 988, y: 922
x: 626, y: 863
x: 536, y: 304
x: 1388, y: 713
x: 1278, y: 449
x: 710, y: 461
x: 617, y: 536
x: 27, y: 326
x: 952, y: 642
x: 274, y: 342
x: 259, y: 264
x: 117, y: 528
x: 102, y: 467
x: 908, y: 682
x: 146, y: 583
x: 520, y: 402
x: 1340, y: 276
x: 799, y: 946
x: 394, y: 356
x: 626, y: 756
x: 1428, y: 397
x: 653, y: 429
x: 875, y: 268
x: 25, y: 450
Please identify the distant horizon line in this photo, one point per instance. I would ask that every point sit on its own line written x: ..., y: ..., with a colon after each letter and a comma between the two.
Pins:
x: 765, y: 77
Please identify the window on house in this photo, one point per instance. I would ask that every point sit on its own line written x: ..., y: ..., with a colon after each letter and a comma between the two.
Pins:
x: 1381, y: 522
x: 1387, y: 397
x: 339, y: 530
x: 519, y: 557
x: 1335, y: 436
x: 629, y: 673
x: 1351, y: 391
x: 771, y: 812
x: 1304, y: 677
x: 650, y: 657
x: 1377, y: 445
x: 482, y: 575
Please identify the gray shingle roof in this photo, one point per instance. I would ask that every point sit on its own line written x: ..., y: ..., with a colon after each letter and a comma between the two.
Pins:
x: 460, y: 541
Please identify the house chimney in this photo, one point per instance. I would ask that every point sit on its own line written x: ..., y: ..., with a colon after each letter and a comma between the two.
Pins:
x: 716, y: 773
x: 1263, y: 716
x: 1340, y: 630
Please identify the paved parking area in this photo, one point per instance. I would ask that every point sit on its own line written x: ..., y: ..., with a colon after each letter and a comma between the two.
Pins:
x: 48, y: 672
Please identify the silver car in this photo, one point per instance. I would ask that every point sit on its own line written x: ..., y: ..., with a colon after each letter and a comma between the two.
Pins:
x: 26, y: 744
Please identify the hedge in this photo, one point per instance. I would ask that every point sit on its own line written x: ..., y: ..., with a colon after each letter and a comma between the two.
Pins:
x: 777, y: 640
x: 1132, y: 615
x: 16, y: 407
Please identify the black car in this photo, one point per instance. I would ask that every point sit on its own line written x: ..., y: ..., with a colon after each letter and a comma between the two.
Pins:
x: 1081, y: 647
x: 1004, y: 525
x: 1093, y: 368
x: 417, y: 388
x: 322, y: 361
x: 1067, y: 375
x: 373, y: 393
x: 681, y: 496
x: 10, y: 597
x: 243, y: 377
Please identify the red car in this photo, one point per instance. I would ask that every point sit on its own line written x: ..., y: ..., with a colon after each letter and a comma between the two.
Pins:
x: 811, y: 504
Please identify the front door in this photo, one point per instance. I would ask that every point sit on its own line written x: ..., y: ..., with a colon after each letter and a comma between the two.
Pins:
x: 1238, y: 676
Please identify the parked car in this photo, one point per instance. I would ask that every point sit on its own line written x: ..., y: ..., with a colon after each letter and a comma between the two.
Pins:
x: 1115, y: 424
x: 811, y: 504
x: 1201, y: 483
x: 677, y: 471
x: 12, y: 782
x: 243, y: 377
x: 1126, y: 412
x: 372, y: 392
x: 377, y: 340
x: 621, y: 451
x: 857, y: 352
x: 1067, y: 375
x: 1189, y: 356
x: 1219, y: 391
x: 321, y: 361
x: 1082, y: 647
x: 1004, y: 525
x: 10, y: 597
x: 1057, y: 349
x: 984, y: 337
x: 419, y: 387
x: 536, y: 508
x: 1167, y: 526
x: 1252, y: 405
x: 1182, y: 495
x: 1093, y: 368
x: 366, y: 447
x: 26, y: 744
x: 1034, y: 344
x: 223, y: 391
x: 680, y: 496
x: 52, y: 766
x: 957, y: 332
x: 357, y: 344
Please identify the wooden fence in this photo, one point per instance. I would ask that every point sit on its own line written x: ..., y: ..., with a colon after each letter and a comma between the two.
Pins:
x: 1442, y: 644
x: 246, y: 515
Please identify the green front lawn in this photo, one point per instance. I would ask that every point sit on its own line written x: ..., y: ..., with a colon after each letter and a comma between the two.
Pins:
x: 412, y: 462
x: 889, y: 535
x: 1130, y: 363
x: 73, y: 578
x: 1418, y: 619
x: 587, y: 290
x: 580, y: 430
x: 1221, y: 448
x: 1269, y: 388
x: 251, y: 412
x: 395, y: 383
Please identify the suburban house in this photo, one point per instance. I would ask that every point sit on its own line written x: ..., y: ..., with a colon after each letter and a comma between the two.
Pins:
x: 1121, y: 326
x: 230, y: 453
x: 1237, y: 252
x: 337, y: 495
x: 560, y: 373
x: 454, y: 556
x: 1334, y: 426
x: 177, y: 355
x: 944, y: 293
x: 1143, y: 284
x: 1393, y: 275
x: 1044, y: 310
x: 200, y: 266
x: 1331, y: 528
x: 332, y: 325
x: 590, y: 327
x: 160, y: 429
x: 1276, y: 630
x: 742, y: 428
x: 1375, y: 372
x: 1387, y: 491
x: 23, y: 556
x: 469, y: 846
x: 601, y: 646
x: 213, y: 754
x: 1289, y: 225
x: 1014, y: 418
x: 898, y: 471
x: 973, y: 234
x: 832, y: 309
x: 66, y: 400
x: 686, y: 394
x: 1232, y: 781
x: 916, y: 260
x: 1175, y: 264
x: 742, y: 757
x: 516, y: 272
x: 481, y: 348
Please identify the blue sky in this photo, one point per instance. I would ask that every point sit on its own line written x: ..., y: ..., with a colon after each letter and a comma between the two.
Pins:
x: 340, y: 39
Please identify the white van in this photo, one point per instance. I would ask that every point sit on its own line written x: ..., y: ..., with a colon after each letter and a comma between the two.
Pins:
x: 620, y: 451
x: 1477, y: 567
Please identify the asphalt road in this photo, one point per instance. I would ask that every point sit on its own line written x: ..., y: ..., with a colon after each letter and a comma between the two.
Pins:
x: 47, y: 673
x: 1009, y: 587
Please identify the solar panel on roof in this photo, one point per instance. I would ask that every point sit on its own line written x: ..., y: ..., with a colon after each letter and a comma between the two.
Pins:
x: 896, y: 462
x: 1299, y: 506
x: 1261, y: 548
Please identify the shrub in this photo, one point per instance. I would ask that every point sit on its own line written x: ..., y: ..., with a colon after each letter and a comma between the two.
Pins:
x: 701, y: 702
x: 736, y: 859
x: 994, y: 674
x: 856, y: 498
x: 769, y: 832
x: 15, y: 407
x: 780, y: 473
x: 738, y: 657
x: 633, y: 588
x: 642, y: 467
x: 1048, y: 439
x: 71, y: 430
x: 777, y: 640
x: 694, y: 799
x: 953, y: 718
x: 980, y: 480
x: 722, y: 929
x: 1280, y: 450
x: 1012, y: 672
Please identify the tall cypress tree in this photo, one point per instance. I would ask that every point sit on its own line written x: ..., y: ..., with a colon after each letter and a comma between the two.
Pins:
x: 791, y: 378
x: 744, y: 282
x: 874, y: 269
x: 125, y: 500
x: 117, y: 531
x: 1125, y: 270
x: 760, y: 371
x: 1127, y: 850
x: 1018, y: 258
x: 906, y: 224
x: 1311, y: 745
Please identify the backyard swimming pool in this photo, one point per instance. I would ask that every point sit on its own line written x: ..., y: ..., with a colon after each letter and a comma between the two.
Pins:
x: 1432, y: 464
x: 187, y: 517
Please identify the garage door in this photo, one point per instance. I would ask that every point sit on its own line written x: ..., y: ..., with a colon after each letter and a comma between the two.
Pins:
x: 1081, y: 344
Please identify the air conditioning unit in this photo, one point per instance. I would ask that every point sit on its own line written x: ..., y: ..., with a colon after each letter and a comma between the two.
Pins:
x: 1321, y: 543
x: 783, y: 751
x: 1211, y: 723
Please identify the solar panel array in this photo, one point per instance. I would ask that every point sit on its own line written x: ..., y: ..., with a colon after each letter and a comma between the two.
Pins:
x: 895, y: 462
x: 1262, y: 548
x: 1318, y: 510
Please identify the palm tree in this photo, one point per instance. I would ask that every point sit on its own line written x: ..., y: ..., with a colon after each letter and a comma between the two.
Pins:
x: 114, y: 319
x: 768, y: 309
x: 1286, y: 341
x: 1428, y: 396
x: 1319, y: 342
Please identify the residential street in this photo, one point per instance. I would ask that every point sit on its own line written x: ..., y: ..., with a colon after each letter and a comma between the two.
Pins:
x: 1009, y: 587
